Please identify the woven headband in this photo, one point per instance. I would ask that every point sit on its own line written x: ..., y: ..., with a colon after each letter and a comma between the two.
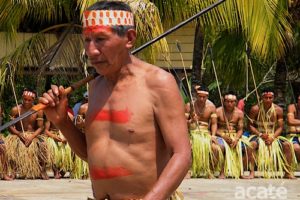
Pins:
x: 202, y: 92
x: 266, y: 93
x: 230, y: 97
x: 99, y: 18
x: 28, y: 93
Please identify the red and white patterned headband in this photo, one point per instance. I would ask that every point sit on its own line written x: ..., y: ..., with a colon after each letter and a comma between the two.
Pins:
x: 28, y: 93
x: 99, y: 18
x: 230, y: 97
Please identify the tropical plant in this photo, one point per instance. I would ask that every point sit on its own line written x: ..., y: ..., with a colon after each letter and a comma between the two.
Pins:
x: 61, y: 19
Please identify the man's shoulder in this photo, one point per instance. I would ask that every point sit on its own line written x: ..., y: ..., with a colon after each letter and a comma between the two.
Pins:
x: 210, y: 104
x: 278, y: 108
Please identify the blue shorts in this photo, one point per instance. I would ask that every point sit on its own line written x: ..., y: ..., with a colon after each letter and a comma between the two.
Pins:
x: 295, y: 140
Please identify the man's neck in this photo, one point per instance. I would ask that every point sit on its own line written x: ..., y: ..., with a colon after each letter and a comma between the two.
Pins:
x: 267, y: 107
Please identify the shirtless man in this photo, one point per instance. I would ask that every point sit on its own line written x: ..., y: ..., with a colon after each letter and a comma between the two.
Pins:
x: 80, y: 119
x: 230, y: 131
x: 266, y: 125
x: 293, y: 120
x: 3, y: 157
x: 202, y: 123
x: 28, y: 131
x: 136, y: 140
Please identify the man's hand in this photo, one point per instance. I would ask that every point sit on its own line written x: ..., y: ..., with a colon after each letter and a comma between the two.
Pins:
x: 227, y: 139
x: 234, y: 143
x: 269, y: 140
x: 28, y: 140
x: 57, y: 101
x: 264, y: 136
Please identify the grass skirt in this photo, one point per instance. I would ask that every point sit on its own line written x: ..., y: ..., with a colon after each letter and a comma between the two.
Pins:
x: 233, y: 165
x: 202, y: 152
x: 25, y: 161
x: 60, y: 154
x: 271, y: 160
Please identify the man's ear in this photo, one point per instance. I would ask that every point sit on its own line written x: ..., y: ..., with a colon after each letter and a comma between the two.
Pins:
x: 131, y: 36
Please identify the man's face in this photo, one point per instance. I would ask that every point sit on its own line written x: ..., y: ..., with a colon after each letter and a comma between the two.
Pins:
x: 201, y: 97
x: 268, y: 99
x: 27, y: 101
x: 106, y: 50
x: 229, y: 104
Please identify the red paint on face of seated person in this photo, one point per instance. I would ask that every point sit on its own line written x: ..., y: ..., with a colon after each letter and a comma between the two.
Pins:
x: 115, y: 116
x: 98, y: 173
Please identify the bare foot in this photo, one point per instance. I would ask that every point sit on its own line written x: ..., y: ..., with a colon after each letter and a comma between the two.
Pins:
x: 7, y: 178
x: 211, y: 176
x: 289, y: 176
x: 44, y: 176
x: 250, y: 176
x: 222, y: 176
x: 57, y: 175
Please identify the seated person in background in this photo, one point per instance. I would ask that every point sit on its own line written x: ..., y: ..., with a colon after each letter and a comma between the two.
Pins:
x: 3, y: 157
x: 293, y: 121
x: 80, y: 118
x: 266, y: 125
x: 202, y: 124
x: 26, y: 149
x: 230, y: 130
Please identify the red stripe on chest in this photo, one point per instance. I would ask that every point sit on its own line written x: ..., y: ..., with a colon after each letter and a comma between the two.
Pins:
x: 116, y: 116
x: 108, y: 173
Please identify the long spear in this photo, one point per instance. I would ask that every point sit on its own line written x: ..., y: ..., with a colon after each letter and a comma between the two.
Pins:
x: 76, y: 85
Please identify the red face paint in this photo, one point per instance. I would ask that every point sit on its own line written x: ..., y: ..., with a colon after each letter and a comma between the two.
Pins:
x: 96, y: 29
x: 98, y: 173
x: 115, y: 116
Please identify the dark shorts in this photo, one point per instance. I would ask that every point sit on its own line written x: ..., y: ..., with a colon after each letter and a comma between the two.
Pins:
x: 1, y: 141
x: 295, y: 140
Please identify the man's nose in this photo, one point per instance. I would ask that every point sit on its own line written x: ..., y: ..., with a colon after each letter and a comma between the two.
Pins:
x: 92, y: 49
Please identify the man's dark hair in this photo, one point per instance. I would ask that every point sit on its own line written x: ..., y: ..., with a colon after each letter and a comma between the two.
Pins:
x: 229, y: 92
x: 113, y: 5
x: 267, y: 89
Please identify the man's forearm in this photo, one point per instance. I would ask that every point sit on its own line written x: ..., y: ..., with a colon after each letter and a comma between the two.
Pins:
x: 171, y: 177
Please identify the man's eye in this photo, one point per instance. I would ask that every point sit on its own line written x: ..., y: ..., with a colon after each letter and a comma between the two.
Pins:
x: 87, y: 39
x: 99, y: 39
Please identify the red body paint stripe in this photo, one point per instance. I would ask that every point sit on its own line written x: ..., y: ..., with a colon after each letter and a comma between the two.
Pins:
x: 121, y: 116
x: 108, y: 173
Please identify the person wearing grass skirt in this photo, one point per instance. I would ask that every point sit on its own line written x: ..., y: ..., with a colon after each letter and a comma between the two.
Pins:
x: 230, y: 138
x: 202, y: 123
x: 26, y: 148
x: 274, y: 153
x: 293, y: 120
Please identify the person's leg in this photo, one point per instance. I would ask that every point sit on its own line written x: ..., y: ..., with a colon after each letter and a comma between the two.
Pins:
x: 3, y: 161
x: 249, y: 159
x: 297, y: 148
x: 222, y: 146
x: 287, y: 150
x: 42, y: 157
x: 215, y: 159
